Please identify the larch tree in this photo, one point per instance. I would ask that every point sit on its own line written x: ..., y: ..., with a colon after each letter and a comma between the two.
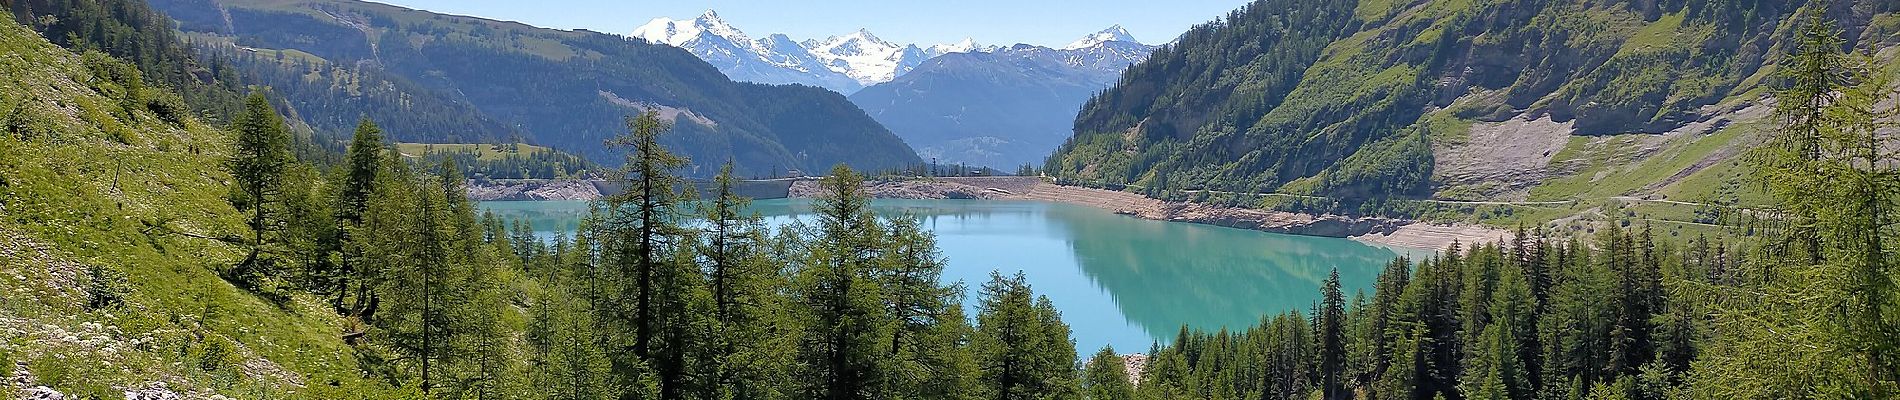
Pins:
x: 1332, y: 339
x: 847, y: 326
x: 642, y: 230
x: 257, y: 167
x: 364, y: 158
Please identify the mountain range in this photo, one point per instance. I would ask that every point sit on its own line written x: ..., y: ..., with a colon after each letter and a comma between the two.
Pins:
x: 993, y: 106
x: 843, y: 63
x: 479, y: 80
x: 1001, y: 108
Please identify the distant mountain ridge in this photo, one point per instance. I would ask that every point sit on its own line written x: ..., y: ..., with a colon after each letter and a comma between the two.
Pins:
x: 843, y: 63
x: 568, y: 90
x: 1002, y: 108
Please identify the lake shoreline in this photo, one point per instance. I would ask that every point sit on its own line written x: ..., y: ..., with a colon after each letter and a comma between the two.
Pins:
x: 1385, y: 232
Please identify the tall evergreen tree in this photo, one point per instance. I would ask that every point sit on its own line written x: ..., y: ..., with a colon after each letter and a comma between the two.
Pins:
x: 1497, y: 369
x: 1106, y: 377
x: 642, y: 233
x: 364, y: 163
x: 1020, y: 345
x: 257, y: 169
x: 743, y: 353
x: 1814, y: 74
x: 846, y: 324
x: 1332, y: 339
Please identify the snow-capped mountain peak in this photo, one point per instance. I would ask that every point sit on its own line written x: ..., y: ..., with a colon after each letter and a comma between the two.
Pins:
x: 678, y: 32
x: 967, y: 45
x: 857, y: 43
x: 1112, y: 34
x: 843, y: 63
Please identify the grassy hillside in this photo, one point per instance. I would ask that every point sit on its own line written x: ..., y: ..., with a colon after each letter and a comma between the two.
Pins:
x: 1369, y: 102
x: 105, y: 208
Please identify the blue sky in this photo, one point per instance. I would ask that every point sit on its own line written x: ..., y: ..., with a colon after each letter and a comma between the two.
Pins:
x: 996, y: 22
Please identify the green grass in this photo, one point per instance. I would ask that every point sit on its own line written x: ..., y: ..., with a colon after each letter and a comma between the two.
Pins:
x: 89, y: 185
x: 1664, y: 33
x: 511, y: 35
x: 1375, y: 10
x: 1611, y: 168
x: 1446, y: 128
x: 1885, y: 27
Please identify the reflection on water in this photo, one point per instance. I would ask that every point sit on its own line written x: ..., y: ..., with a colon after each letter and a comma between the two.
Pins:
x: 1118, y: 280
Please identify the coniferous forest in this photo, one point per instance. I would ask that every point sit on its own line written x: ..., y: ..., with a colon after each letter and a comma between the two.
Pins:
x: 663, y: 294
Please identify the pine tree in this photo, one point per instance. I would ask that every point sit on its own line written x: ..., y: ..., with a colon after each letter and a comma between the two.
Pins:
x: 1332, y: 340
x: 1787, y: 164
x: 949, y: 367
x: 908, y: 271
x: 1429, y: 308
x: 1388, y: 288
x: 1497, y: 369
x: 847, y: 327
x: 641, y: 233
x: 1634, y: 276
x: 742, y: 352
x: 365, y: 162
x: 420, y: 323
x: 257, y: 169
x: 1106, y: 377
x: 1575, y: 332
x: 1020, y: 343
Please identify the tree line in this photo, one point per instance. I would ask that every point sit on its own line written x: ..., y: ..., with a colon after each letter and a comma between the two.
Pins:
x: 659, y: 295
x: 665, y: 295
x: 512, y: 163
x: 1808, y: 312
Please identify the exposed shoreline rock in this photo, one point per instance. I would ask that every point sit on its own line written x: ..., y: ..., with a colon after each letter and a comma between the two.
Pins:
x: 940, y: 188
x: 1405, y: 234
x: 1398, y: 233
x: 533, y: 190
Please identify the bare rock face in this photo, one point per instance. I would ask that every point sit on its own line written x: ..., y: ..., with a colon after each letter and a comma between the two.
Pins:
x: 157, y: 391
x: 42, y: 393
x: 937, y: 188
x: 1135, y: 365
x: 1274, y: 221
x: 532, y: 190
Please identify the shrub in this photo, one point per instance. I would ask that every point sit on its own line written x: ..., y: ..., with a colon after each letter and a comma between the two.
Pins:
x: 106, y: 288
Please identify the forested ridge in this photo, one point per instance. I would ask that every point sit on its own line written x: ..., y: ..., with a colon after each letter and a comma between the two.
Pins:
x: 145, y: 250
x: 442, y: 79
x: 1355, y: 100
x: 478, y: 80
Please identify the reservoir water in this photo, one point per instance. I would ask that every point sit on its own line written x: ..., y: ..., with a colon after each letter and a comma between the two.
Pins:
x: 1118, y: 280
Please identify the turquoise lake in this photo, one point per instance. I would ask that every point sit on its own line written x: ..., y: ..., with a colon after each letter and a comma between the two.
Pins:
x: 1119, y: 280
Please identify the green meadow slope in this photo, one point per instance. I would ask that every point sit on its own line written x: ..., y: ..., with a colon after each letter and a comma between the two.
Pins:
x: 107, y: 214
x: 1582, y: 103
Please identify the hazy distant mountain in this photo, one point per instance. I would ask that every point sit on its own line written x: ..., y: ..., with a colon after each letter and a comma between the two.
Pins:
x: 844, y: 63
x: 1001, y: 108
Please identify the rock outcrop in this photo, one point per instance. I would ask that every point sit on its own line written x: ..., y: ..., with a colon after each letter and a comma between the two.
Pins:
x: 532, y: 190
